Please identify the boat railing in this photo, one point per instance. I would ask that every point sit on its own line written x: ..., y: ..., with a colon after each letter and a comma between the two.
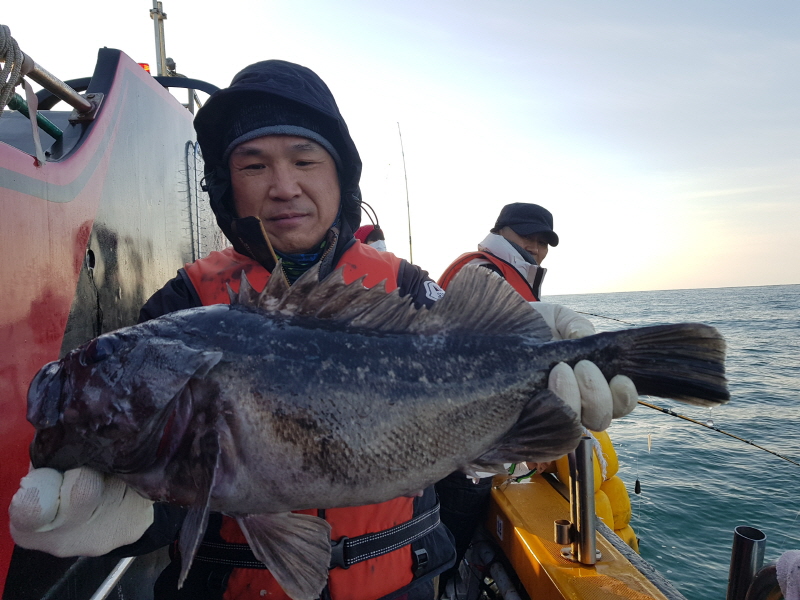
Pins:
x: 85, y: 107
x: 580, y: 532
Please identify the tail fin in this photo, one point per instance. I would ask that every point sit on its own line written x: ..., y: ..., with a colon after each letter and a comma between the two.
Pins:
x: 685, y: 362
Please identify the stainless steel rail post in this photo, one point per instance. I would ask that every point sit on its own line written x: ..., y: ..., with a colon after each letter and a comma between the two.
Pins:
x: 582, y: 531
x: 53, y: 84
x: 158, y: 15
x: 747, y: 557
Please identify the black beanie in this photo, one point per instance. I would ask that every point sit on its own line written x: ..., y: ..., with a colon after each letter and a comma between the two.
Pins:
x: 269, y: 115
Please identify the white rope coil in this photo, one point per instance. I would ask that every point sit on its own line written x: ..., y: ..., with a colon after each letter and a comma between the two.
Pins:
x: 11, y: 56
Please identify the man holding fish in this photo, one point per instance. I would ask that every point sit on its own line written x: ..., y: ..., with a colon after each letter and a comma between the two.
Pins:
x: 282, y: 175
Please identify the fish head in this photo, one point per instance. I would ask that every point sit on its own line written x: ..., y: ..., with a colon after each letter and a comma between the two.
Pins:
x: 116, y: 404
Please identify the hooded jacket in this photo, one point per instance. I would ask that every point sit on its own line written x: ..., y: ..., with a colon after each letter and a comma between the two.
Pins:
x: 303, y: 90
x: 281, y: 82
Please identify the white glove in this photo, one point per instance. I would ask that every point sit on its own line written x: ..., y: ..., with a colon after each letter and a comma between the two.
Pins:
x: 788, y: 574
x: 78, y: 513
x: 584, y: 388
x: 565, y: 324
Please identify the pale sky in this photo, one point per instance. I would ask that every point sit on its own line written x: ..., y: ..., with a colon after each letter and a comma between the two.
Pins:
x: 663, y: 136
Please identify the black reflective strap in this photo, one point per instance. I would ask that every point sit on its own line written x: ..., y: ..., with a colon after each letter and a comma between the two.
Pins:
x: 345, y: 551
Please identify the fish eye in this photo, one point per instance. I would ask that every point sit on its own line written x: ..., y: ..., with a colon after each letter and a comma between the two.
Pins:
x: 98, y: 350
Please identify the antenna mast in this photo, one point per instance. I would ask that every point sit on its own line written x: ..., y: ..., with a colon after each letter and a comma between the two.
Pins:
x: 408, y: 205
x: 158, y: 15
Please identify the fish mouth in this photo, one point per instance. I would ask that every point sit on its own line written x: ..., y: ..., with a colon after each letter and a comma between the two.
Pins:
x: 108, y: 445
x: 62, y: 448
x: 44, y: 396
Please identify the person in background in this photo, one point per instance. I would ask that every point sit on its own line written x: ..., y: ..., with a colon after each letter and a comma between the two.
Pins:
x: 372, y: 235
x: 514, y: 249
x: 282, y: 174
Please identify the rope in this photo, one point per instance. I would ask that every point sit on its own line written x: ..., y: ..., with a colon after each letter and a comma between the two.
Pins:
x: 12, y: 56
x: 598, y: 451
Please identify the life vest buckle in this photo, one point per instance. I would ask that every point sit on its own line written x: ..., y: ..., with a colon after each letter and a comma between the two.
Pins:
x: 338, y: 558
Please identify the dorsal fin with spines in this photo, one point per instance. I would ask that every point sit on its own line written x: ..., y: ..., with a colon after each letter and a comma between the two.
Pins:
x: 477, y: 301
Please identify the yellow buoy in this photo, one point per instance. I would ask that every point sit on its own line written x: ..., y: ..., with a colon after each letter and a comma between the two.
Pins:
x: 602, y: 508
x: 628, y: 536
x: 620, y: 501
x: 612, y: 462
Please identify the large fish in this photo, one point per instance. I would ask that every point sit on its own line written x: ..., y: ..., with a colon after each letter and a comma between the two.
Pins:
x: 329, y: 395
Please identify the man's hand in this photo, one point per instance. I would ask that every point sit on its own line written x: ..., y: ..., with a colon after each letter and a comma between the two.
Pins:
x: 78, y: 513
x: 584, y: 388
x: 565, y: 324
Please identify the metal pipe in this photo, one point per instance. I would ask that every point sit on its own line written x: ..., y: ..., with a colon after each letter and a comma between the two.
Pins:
x: 158, y: 16
x: 503, y: 581
x: 584, y: 544
x: 487, y: 556
x: 18, y: 103
x: 747, y: 557
x: 563, y: 532
x: 113, y: 579
x: 53, y: 84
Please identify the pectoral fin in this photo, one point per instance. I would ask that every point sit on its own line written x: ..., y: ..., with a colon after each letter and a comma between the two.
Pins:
x: 546, y: 429
x: 194, y: 526
x: 295, y: 548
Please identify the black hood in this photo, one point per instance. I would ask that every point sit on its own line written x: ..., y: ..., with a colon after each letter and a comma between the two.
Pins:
x: 285, y: 82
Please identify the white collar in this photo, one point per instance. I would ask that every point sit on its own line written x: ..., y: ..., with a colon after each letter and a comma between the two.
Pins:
x: 498, y: 246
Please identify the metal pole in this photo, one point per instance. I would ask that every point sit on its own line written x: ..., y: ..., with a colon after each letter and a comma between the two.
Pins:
x: 581, y: 500
x: 158, y: 16
x: 18, y: 103
x: 53, y: 84
x: 747, y: 557
x: 113, y: 579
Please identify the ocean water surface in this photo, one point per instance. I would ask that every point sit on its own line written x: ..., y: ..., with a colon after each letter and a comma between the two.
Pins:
x: 697, y: 484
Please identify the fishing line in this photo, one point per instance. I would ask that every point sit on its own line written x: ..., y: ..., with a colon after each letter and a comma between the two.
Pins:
x: 672, y: 413
x: 604, y: 317
x: 637, y: 489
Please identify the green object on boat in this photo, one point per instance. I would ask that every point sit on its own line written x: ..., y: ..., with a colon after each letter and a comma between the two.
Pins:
x: 18, y: 103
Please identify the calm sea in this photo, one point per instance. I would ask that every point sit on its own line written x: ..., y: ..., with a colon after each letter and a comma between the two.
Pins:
x: 697, y: 484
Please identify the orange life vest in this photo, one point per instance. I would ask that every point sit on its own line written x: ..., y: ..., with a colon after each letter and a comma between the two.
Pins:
x: 372, y: 578
x: 212, y: 275
x: 509, y: 273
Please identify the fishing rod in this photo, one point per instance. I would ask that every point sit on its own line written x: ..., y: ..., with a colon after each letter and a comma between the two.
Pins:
x: 408, y: 204
x: 672, y: 413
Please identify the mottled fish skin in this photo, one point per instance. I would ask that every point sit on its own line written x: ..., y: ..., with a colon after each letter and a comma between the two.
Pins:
x: 348, y: 413
x: 328, y: 395
x: 333, y: 404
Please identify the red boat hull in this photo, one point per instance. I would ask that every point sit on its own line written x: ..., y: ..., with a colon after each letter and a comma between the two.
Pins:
x: 87, y: 238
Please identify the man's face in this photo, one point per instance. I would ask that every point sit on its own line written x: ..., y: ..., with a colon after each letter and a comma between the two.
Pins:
x: 289, y: 182
x: 536, y: 243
